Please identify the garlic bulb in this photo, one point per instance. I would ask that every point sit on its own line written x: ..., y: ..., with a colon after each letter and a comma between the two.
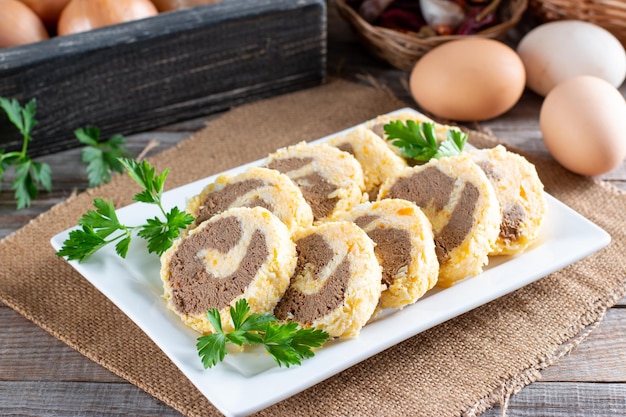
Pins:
x: 442, y: 12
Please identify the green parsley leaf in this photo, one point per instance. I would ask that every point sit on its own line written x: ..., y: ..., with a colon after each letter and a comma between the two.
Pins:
x: 304, y: 340
x: 81, y: 244
x: 212, y: 349
x: 278, y: 339
x: 239, y: 312
x: 13, y: 112
x: 214, y: 318
x: 42, y: 175
x: 101, y: 157
x: 103, y: 220
x: 144, y: 174
x: 28, y: 118
x: 29, y: 174
x: 22, y: 117
x: 8, y: 159
x: 418, y: 140
x: 24, y: 185
x: 257, y: 321
x: 97, y: 225
x: 161, y: 235
x: 102, y: 226
x: 247, y: 325
x: 121, y: 248
x: 285, y: 342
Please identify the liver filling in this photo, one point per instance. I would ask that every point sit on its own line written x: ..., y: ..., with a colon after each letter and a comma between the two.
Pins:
x: 392, y: 249
x: 379, y: 129
x: 194, y: 289
x: 259, y: 202
x: 285, y: 165
x: 315, y: 188
x: 363, y: 221
x: 459, y: 226
x: 432, y: 187
x: 424, y: 188
x: 306, y: 308
x: 513, y: 217
x: 487, y: 168
x: 346, y: 147
x: 219, y: 201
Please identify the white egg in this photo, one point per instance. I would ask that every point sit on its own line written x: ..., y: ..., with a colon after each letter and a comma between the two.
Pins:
x: 556, y: 51
x: 583, y: 122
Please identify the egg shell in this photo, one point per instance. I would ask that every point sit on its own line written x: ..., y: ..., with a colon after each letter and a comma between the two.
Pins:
x: 84, y: 15
x: 556, y: 51
x: 583, y: 122
x: 19, y: 25
x: 468, y: 79
x: 48, y: 10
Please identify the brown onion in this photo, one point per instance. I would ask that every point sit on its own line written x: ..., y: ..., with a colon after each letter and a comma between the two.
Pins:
x: 47, y: 10
x: 84, y: 15
x: 19, y: 25
x: 167, y: 5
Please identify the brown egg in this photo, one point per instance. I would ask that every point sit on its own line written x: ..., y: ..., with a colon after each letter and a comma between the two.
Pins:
x: 83, y: 15
x: 19, y: 25
x: 48, y: 10
x: 468, y: 79
x: 583, y: 122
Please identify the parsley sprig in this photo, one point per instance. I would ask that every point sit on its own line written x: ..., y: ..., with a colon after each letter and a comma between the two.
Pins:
x: 101, y: 157
x: 101, y: 227
x: 285, y: 342
x: 418, y: 141
x: 29, y: 174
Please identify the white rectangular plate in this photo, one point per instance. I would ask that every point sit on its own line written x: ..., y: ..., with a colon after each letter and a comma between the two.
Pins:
x: 248, y: 382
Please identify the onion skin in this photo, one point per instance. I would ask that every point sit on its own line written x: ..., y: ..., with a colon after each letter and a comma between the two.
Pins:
x: 83, y: 15
x: 168, y: 5
x: 47, y: 10
x: 19, y: 25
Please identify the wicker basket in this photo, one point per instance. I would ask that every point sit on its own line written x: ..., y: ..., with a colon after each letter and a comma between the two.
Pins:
x: 609, y: 14
x: 403, y: 49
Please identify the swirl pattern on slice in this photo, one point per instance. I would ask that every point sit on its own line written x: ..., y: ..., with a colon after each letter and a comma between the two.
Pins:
x: 331, y: 181
x: 377, y: 160
x: 255, y: 187
x: 520, y: 193
x: 463, y: 210
x: 240, y: 253
x: 404, y: 246
x: 337, y: 282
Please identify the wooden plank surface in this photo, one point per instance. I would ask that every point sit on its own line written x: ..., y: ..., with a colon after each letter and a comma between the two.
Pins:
x: 563, y: 399
x: 38, y: 398
x: 41, y: 376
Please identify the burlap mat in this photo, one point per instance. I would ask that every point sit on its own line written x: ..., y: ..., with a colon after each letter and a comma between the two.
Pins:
x: 459, y: 367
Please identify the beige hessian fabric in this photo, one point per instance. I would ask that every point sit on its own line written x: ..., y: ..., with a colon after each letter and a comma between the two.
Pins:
x: 459, y: 367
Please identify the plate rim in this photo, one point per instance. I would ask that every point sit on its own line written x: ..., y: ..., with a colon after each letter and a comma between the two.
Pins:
x: 595, y: 239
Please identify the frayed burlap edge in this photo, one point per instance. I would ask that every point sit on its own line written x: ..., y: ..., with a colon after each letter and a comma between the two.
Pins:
x: 577, y: 334
x: 574, y: 336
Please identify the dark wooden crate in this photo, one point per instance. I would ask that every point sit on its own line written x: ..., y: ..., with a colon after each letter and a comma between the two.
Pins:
x: 175, y: 66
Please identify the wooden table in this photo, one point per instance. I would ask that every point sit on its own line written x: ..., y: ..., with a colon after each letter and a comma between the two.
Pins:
x: 41, y: 376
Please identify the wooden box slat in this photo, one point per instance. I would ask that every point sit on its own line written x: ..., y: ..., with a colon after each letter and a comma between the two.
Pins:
x: 171, y: 67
